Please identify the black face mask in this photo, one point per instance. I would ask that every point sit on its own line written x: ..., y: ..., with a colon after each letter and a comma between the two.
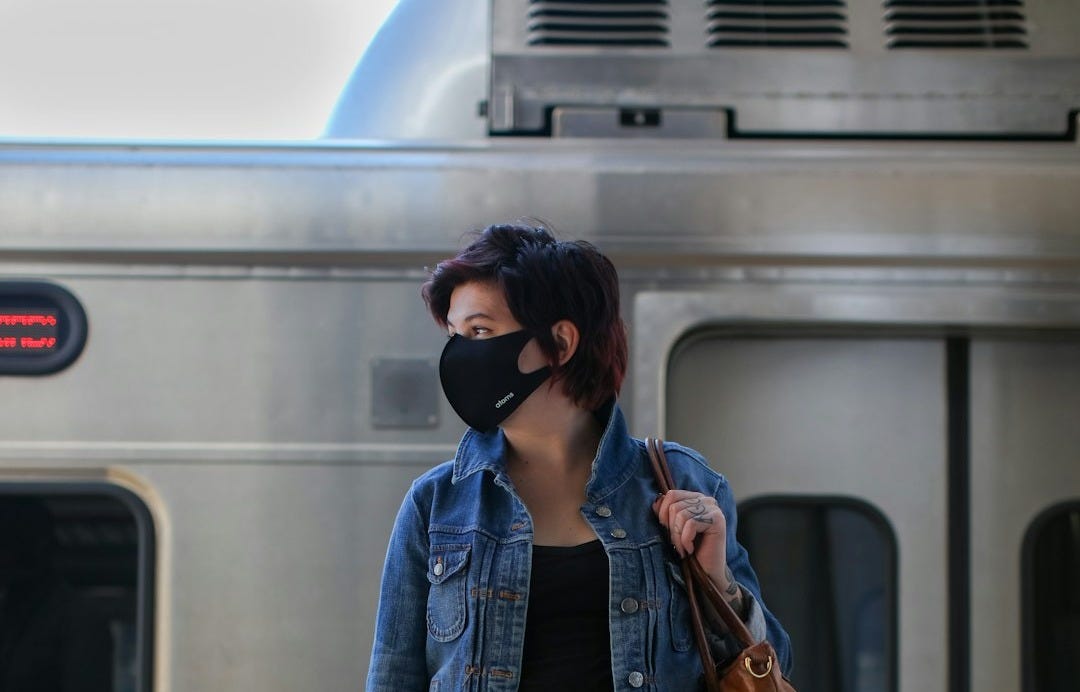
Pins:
x: 480, y: 378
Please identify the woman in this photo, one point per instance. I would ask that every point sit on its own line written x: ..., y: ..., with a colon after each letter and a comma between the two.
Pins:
x: 532, y: 560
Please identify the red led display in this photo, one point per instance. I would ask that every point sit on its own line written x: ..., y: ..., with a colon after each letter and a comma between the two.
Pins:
x: 27, y: 320
x: 29, y: 331
x: 42, y: 328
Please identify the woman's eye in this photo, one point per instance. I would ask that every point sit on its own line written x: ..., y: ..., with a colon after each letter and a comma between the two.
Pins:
x: 469, y: 333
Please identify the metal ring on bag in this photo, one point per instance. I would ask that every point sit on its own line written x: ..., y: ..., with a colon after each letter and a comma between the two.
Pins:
x: 750, y: 668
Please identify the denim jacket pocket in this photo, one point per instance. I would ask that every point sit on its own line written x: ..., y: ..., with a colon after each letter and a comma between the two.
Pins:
x: 682, y: 637
x: 446, y: 605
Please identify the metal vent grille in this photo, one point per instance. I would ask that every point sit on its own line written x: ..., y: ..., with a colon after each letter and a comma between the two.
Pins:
x: 777, y: 23
x: 599, y: 23
x: 955, y: 24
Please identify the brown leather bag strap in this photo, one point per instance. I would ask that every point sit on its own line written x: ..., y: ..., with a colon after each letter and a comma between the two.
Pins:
x: 659, y: 464
x: 690, y: 565
x: 734, y: 623
x: 663, y: 479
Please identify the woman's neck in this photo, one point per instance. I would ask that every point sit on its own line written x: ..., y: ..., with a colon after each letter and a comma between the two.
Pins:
x: 559, y: 439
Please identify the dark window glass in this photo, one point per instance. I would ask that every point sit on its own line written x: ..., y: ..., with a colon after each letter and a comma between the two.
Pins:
x: 827, y: 568
x: 1051, y: 586
x: 74, y: 591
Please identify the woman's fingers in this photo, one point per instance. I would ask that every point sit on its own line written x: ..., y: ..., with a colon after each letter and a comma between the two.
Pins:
x: 686, y: 514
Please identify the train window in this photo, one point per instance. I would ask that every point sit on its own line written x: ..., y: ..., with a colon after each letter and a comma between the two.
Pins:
x: 1051, y: 600
x: 75, y: 589
x: 827, y: 568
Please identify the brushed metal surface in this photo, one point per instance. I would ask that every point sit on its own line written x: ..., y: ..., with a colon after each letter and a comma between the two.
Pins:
x: 785, y: 414
x: 666, y: 317
x: 859, y: 418
x: 229, y: 362
x: 404, y: 393
x: 864, y: 90
x: 237, y: 297
x: 244, y: 403
x: 714, y: 200
x: 1025, y: 451
x: 275, y: 571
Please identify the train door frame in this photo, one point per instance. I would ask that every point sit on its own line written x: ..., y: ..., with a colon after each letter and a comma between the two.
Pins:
x: 947, y: 305
x: 80, y: 483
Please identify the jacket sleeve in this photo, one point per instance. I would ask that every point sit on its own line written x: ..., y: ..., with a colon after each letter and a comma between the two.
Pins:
x: 398, y: 656
x: 761, y: 623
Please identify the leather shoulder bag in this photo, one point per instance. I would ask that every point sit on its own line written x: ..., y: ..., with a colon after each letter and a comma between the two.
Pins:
x: 756, y: 668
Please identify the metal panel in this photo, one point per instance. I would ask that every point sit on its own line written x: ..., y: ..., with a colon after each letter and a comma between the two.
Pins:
x: 1025, y: 453
x: 274, y: 571
x: 1023, y: 399
x: 680, y: 200
x: 404, y: 393
x: 238, y: 295
x: 865, y: 90
x: 245, y: 403
x: 229, y: 361
x: 835, y: 416
x: 915, y: 303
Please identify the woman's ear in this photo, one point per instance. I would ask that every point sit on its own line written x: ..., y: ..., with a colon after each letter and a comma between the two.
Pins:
x: 566, y: 337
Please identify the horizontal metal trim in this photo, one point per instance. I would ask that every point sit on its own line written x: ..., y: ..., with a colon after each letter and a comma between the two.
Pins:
x: 357, y: 207
x: 935, y: 4
x: 775, y: 41
x: 15, y: 454
x: 776, y: 3
x: 945, y: 42
x: 781, y: 16
x: 954, y: 17
x: 935, y: 31
x: 776, y: 30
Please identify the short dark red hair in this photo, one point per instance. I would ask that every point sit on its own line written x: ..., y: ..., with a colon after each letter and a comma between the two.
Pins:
x: 545, y: 280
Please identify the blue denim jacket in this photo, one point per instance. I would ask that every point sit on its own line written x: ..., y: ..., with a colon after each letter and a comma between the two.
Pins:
x: 455, y: 586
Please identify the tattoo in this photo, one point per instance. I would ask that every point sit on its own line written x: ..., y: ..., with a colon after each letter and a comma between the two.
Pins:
x: 733, y: 586
x: 695, y: 505
x: 736, y: 598
x: 698, y: 511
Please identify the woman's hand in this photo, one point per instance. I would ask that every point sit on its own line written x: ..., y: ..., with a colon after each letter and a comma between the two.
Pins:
x: 698, y: 527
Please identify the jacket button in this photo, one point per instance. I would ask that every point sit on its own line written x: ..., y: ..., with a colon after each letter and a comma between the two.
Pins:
x: 629, y: 605
x: 618, y: 533
x: 636, y: 679
x: 603, y: 511
x: 438, y: 569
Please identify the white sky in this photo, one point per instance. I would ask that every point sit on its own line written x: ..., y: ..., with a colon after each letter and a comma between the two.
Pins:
x: 178, y: 69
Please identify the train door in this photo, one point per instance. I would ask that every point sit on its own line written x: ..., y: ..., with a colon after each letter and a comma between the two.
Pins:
x: 911, y: 502
x: 836, y: 447
x: 1025, y: 513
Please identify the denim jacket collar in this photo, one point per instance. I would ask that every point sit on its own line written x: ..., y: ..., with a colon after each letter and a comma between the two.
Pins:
x: 611, y: 467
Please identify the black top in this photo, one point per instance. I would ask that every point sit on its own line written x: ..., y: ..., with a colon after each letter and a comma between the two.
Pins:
x: 567, y: 645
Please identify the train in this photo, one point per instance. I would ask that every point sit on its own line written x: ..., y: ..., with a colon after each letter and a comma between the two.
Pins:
x: 848, y: 241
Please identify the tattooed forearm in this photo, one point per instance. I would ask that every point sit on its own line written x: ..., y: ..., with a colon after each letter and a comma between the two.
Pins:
x: 733, y: 595
x: 732, y: 589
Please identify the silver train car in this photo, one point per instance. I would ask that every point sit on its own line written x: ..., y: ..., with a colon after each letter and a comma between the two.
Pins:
x: 848, y: 236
